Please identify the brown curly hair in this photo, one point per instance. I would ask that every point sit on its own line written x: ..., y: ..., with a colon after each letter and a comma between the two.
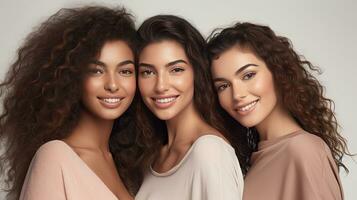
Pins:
x: 41, y: 92
x: 300, y: 92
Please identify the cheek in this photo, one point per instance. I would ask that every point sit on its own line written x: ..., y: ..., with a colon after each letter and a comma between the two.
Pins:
x: 91, y: 85
x: 185, y: 81
x: 225, y: 99
x: 264, y: 87
x: 146, y: 85
x: 129, y: 85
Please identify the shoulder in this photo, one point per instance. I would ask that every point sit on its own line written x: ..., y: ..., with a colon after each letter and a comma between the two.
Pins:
x: 305, y: 142
x: 53, y: 151
x: 215, y: 161
x: 306, y: 146
x: 211, y: 148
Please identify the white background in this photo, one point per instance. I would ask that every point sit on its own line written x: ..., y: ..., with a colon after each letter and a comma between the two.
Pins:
x: 324, y: 31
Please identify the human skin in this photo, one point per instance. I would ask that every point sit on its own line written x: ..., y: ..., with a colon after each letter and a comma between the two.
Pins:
x: 166, y: 84
x: 108, y: 89
x: 166, y: 79
x: 109, y: 84
x: 246, y: 90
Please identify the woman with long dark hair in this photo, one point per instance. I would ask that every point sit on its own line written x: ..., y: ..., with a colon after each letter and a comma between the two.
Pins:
x: 65, y: 107
x: 190, y: 155
x: 294, y: 146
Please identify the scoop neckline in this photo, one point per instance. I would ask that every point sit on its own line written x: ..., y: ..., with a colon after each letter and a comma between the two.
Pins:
x: 266, y: 143
x: 178, y: 165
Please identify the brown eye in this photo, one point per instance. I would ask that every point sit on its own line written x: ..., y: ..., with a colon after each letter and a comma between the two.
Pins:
x: 146, y: 73
x: 222, y: 87
x: 126, y: 72
x: 177, y: 70
x: 248, y: 75
x: 96, y: 71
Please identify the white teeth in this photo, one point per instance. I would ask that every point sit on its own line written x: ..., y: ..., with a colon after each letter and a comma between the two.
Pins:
x: 248, y: 107
x: 165, y: 100
x: 111, y: 100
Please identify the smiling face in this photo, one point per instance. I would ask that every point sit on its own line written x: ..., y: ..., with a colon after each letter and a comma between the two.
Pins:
x: 165, y: 79
x: 109, y: 82
x: 244, y: 85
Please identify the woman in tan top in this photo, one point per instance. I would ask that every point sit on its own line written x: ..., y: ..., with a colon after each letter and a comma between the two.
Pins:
x: 66, y: 101
x: 293, y: 146
x: 192, y: 159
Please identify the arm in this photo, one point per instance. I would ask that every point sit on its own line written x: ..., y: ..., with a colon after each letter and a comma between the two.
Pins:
x: 44, y: 176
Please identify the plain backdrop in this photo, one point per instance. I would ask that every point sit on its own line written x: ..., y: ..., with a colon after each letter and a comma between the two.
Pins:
x: 324, y: 31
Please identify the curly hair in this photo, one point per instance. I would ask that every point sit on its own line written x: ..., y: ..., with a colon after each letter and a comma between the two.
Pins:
x: 42, y: 90
x: 168, y: 27
x: 299, y: 91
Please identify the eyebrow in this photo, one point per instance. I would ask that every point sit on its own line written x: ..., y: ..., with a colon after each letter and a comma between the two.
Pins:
x: 237, y: 72
x: 245, y: 67
x: 123, y: 63
x: 167, y: 65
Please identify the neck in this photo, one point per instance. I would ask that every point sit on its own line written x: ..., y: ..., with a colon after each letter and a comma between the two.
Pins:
x: 278, y: 123
x: 91, y: 132
x: 181, y: 128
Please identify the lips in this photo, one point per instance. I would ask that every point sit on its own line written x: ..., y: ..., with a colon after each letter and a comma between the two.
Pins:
x: 165, y: 101
x: 110, y: 102
x: 246, y: 108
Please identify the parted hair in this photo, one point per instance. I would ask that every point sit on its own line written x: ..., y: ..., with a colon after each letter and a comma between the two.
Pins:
x: 173, y: 28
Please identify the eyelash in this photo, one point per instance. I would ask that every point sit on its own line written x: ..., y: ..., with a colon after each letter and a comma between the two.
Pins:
x: 126, y: 72
x: 249, y: 75
x: 96, y: 71
x: 146, y: 73
x: 177, y: 70
x: 222, y: 87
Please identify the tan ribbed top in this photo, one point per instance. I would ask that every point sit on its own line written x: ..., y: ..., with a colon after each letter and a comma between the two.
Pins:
x: 297, y: 166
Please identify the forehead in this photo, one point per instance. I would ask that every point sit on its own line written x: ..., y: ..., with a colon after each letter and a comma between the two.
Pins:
x: 233, y: 59
x: 162, y: 52
x: 116, y: 49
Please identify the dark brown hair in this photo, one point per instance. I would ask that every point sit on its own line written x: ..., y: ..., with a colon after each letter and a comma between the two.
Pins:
x: 169, y: 27
x: 299, y: 91
x: 41, y: 92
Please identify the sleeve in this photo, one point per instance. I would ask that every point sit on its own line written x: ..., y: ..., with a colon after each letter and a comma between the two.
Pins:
x: 217, y: 174
x: 316, y: 172
x: 44, y: 176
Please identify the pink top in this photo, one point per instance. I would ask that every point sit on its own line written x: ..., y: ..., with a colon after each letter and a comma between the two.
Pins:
x: 298, y: 166
x: 57, y: 173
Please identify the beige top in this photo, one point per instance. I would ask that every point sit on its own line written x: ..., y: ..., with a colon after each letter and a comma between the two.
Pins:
x: 209, y: 171
x: 58, y: 173
x: 298, y: 166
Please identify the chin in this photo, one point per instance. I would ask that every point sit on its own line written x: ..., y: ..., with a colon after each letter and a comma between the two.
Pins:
x: 110, y: 115
x: 247, y: 122
x: 164, y: 115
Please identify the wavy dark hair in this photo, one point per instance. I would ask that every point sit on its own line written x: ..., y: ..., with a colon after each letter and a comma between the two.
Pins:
x: 299, y: 91
x: 41, y: 92
x: 168, y: 27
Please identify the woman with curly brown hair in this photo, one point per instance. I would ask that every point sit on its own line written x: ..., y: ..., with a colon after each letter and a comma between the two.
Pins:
x: 292, y: 133
x: 65, y: 107
x: 193, y: 158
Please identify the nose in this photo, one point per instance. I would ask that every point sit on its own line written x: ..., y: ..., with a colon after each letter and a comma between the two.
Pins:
x: 161, y: 83
x: 239, y: 91
x: 111, y: 84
